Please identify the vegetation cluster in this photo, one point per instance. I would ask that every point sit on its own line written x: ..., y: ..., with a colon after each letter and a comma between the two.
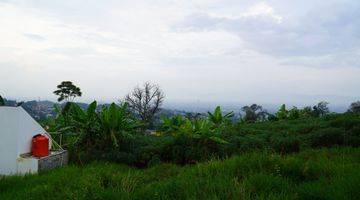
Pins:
x: 115, y: 134
x: 118, y: 152
x: 311, y: 174
x: 126, y: 133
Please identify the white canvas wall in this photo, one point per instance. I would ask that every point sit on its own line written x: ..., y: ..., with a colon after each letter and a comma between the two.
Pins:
x: 8, y: 140
x: 17, y: 128
x: 27, y: 128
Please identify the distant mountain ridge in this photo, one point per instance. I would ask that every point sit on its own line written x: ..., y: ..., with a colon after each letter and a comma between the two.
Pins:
x: 44, y: 109
x: 41, y: 110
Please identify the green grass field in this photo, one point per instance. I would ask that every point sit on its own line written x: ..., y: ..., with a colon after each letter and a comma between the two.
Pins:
x: 311, y: 174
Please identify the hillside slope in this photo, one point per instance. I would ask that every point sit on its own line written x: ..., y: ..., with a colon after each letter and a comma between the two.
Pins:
x: 312, y: 174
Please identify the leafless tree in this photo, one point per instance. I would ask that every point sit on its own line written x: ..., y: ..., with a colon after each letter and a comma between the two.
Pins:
x: 145, y: 101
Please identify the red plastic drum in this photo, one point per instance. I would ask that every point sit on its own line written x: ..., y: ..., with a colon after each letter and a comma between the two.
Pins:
x: 40, y: 146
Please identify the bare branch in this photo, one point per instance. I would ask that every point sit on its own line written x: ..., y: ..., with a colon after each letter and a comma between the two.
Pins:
x: 146, y: 101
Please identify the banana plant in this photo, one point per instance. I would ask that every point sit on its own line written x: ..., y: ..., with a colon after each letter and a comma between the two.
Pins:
x: 202, y: 129
x: 173, y: 124
x: 82, y: 125
x: 217, y: 118
x: 205, y: 130
x: 90, y: 128
x: 86, y: 122
x: 116, y: 123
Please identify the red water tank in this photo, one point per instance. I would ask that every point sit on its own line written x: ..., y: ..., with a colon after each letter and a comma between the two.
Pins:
x: 40, y: 146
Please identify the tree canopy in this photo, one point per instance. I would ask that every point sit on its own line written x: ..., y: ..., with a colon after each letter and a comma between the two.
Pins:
x: 321, y: 109
x: 254, y: 113
x: 67, y: 91
x: 2, y: 101
x: 354, y: 107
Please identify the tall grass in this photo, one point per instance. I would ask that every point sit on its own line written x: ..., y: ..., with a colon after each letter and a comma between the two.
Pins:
x: 311, y: 174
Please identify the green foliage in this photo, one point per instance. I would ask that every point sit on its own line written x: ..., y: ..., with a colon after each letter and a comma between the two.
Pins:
x: 203, y: 129
x: 327, y: 137
x: 254, y: 113
x: 86, y: 131
x: 321, y: 109
x: 282, y: 113
x: 195, y: 140
x: 116, y: 123
x: 346, y: 121
x: 306, y: 112
x: 318, y: 110
x: 218, y: 119
x: 294, y: 113
x: 271, y: 159
x: 285, y: 144
x: 112, y: 134
x: 172, y: 124
x: 354, y: 107
x: 272, y: 117
x: 67, y: 91
x: 312, y: 174
x: 2, y: 101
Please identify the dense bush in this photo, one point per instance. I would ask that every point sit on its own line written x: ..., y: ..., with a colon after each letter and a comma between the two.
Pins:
x: 113, y: 134
x: 327, y: 137
x: 286, y: 144
x: 345, y: 122
x: 353, y: 137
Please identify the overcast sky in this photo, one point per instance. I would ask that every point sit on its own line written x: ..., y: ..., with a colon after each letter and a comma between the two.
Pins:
x: 299, y: 51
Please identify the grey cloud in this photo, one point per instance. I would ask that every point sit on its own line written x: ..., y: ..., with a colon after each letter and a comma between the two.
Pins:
x: 306, y: 54
x: 325, y: 30
x: 351, y: 59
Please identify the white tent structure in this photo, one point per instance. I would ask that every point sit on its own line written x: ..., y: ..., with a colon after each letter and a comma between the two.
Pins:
x: 17, y: 128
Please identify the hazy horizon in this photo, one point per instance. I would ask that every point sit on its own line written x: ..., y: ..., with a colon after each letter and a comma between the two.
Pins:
x: 204, y: 106
x: 199, y: 52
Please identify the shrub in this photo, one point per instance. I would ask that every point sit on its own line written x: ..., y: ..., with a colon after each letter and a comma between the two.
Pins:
x: 345, y: 122
x: 252, y: 142
x: 88, y: 132
x: 112, y: 134
x: 305, y: 128
x: 262, y: 183
x: 353, y: 137
x: 327, y: 137
x: 119, y: 157
x: 286, y: 144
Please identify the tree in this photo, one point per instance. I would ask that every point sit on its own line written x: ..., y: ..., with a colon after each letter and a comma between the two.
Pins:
x: 145, y: 102
x: 306, y: 112
x: 321, y: 109
x: 2, y: 101
x: 282, y: 113
x: 294, y: 113
x: 67, y: 91
x: 272, y: 117
x: 354, y: 107
x: 193, y: 116
x: 254, y: 113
